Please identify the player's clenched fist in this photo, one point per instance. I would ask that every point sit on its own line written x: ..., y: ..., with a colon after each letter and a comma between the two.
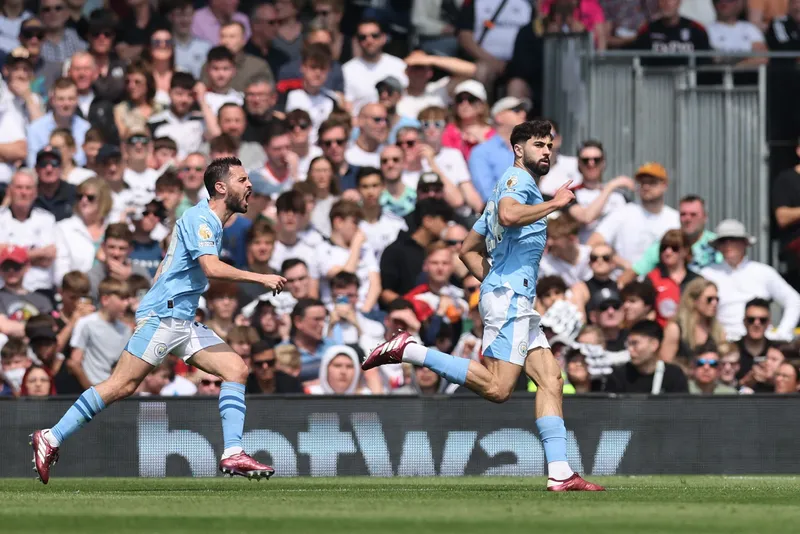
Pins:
x: 273, y: 282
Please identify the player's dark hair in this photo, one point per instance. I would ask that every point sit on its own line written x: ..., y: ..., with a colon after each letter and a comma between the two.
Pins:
x: 344, y: 279
x: 649, y: 329
x: 363, y: 172
x: 546, y: 284
x: 218, y: 171
x: 220, y: 53
x: 643, y: 290
x: 757, y: 303
x: 293, y: 201
x: 290, y: 263
x: 182, y: 80
x: 432, y: 207
x: 537, y: 129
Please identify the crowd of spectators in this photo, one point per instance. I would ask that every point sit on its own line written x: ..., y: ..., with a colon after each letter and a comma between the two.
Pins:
x: 373, y: 133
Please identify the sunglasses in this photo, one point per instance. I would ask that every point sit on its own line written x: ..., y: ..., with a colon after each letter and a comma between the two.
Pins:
x: 189, y: 169
x: 138, y: 139
x: 90, y: 198
x: 264, y: 363
x: 364, y: 36
x: 433, y: 124
x: 609, y: 306
x: 155, y: 213
x: 42, y: 163
x: 50, y: 9
x: 379, y: 120
x: 673, y: 248
x: 702, y: 362
x: 108, y: 34
x: 303, y: 125
x: 452, y: 242
x: 162, y: 43
x: 206, y: 382
x: 593, y: 258
x: 11, y: 266
x: 593, y: 161
x: 472, y: 289
x: 330, y: 142
x: 711, y: 300
x: 390, y: 160
x: 323, y: 12
x: 754, y: 320
x: 410, y: 143
x: 467, y: 98
x: 31, y: 33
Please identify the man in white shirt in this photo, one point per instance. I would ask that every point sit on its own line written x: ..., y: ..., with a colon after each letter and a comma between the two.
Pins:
x: 299, y: 122
x: 373, y: 132
x: 291, y: 208
x: 564, y: 256
x: 348, y: 251
x: 380, y: 226
x: 740, y: 280
x: 633, y: 228
x: 190, y: 52
x: 361, y: 74
x: 221, y: 69
x: 136, y: 151
x: 23, y: 225
x: 179, y: 122
x: 731, y: 34
x: 313, y: 97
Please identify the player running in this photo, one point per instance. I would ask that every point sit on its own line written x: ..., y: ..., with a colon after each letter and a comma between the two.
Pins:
x: 512, y: 233
x: 165, y: 324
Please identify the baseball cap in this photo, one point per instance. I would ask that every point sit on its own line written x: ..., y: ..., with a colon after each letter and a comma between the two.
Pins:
x: 392, y: 83
x: 607, y: 295
x: 656, y: 170
x: 471, y: 87
x: 18, y: 255
x: 429, y: 180
x: 108, y: 152
x: 511, y: 102
x: 48, y: 152
x: 40, y: 332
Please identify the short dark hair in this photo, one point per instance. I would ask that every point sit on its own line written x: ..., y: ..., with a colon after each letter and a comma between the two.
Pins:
x: 262, y: 346
x: 273, y: 128
x: 399, y: 304
x: 169, y: 180
x: 291, y: 200
x: 363, y: 172
x: 432, y: 207
x: 220, y: 53
x: 182, y: 80
x: 229, y: 105
x: 590, y: 143
x: 260, y: 228
x: 648, y: 328
x: 218, y: 171
x: 330, y: 124
x: 223, y: 143
x: 370, y: 20
x: 343, y: 279
x: 302, y: 305
x: 693, y: 198
x: 118, y: 231
x: 342, y: 209
x: 292, y: 262
x: 643, y: 290
x: 317, y: 54
x: 757, y: 303
x: 537, y: 128
x: 546, y: 284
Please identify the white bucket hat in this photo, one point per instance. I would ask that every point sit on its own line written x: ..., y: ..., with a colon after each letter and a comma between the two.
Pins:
x: 732, y: 229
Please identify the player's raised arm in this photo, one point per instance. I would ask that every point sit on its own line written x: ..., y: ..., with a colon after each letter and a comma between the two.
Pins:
x: 513, y: 213
x: 215, y: 268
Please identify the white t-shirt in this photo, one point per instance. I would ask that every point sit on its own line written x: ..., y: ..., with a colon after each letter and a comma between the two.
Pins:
x: 300, y: 250
x: 566, y: 168
x: 450, y: 161
x: 333, y: 255
x: 217, y: 100
x: 435, y: 95
x: 701, y: 11
x: 318, y: 106
x: 78, y: 175
x: 580, y: 272
x: 584, y: 197
x: 382, y: 232
x: 12, y: 128
x: 358, y: 157
x: 187, y: 131
x: 738, y: 37
x: 631, y: 229
x: 360, y: 78
x: 37, y: 231
x: 142, y: 182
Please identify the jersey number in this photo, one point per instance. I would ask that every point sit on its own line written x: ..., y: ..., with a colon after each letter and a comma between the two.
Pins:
x: 494, y: 236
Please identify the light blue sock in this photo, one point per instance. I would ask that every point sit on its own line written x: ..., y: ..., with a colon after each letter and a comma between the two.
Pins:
x: 85, y: 408
x: 451, y: 368
x: 554, y: 437
x: 231, y: 411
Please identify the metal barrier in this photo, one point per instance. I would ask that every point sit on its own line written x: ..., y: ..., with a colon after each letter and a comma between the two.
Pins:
x: 711, y: 137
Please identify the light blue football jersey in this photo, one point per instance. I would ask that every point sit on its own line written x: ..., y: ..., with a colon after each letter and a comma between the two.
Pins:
x: 177, y: 291
x: 514, y: 251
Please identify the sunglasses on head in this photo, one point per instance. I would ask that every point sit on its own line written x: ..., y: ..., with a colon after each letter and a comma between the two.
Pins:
x: 138, y: 139
x: 264, y: 363
x: 472, y: 99
x: 206, y: 383
x: 711, y: 362
x: 364, y: 36
x: 593, y: 161
x: 753, y: 320
x: 30, y: 33
x: 593, y: 258
x: 433, y: 124
x: 87, y: 196
x: 673, y: 248
x: 330, y: 142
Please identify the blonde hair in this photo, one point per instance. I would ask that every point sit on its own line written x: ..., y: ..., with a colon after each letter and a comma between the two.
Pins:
x: 687, y: 316
x: 287, y: 356
x: 104, y: 199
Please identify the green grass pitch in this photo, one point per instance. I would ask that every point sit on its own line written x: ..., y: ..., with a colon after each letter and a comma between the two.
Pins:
x: 642, y: 505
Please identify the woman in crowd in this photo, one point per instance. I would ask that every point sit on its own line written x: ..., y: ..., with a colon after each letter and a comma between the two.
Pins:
x: 79, y: 237
x: 671, y: 276
x: 139, y: 104
x: 62, y: 140
x: 695, y: 328
x: 37, y: 382
x: 322, y: 174
x: 470, y: 126
x: 161, y: 55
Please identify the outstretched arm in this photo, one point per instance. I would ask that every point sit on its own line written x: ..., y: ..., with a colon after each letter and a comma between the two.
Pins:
x: 214, y: 268
x: 473, y: 254
x: 513, y: 213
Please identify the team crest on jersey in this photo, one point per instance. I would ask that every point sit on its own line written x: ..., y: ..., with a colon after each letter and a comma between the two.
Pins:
x: 161, y: 350
x: 523, y: 348
x: 511, y: 182
x: 204, y: 232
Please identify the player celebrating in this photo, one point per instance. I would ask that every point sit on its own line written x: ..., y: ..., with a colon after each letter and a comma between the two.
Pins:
x: 165, y: 324
x: 512, y: 233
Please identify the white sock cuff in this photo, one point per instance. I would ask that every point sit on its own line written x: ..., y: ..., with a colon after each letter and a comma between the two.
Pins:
x: 231, y: 451
x: 51, y: 438
x: 414, y: 353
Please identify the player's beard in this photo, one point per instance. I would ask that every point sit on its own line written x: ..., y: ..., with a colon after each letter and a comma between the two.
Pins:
x: 538, y: 167
x: 237, y: 203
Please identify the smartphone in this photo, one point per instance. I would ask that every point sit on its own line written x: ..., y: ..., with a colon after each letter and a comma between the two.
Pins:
x: 342, y: 300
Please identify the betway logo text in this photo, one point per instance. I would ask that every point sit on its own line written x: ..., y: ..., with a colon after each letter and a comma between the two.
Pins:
x: 324, y: 442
